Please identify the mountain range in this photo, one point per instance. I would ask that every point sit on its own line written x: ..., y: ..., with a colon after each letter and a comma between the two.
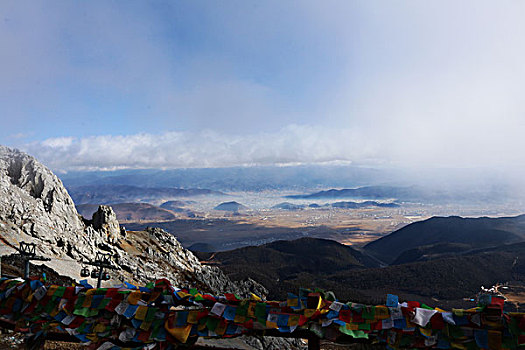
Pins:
x: 113, y: 193
x: 257, y: 178
x: 342, y: 204
x: 442, y: 261
x: 428, y: 194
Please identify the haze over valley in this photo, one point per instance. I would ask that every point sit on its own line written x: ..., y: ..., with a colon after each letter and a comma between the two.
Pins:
x: 251, y: 206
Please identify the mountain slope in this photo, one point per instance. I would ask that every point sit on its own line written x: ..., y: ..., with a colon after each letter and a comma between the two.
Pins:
x: 461, y: 233
x: 286, y: 266
x: 275, y: 263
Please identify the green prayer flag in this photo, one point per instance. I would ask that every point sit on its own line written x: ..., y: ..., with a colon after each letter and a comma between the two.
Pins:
x: 212, y: 323
x: 59, y: 292
x: 424, y: 306
x: 242, y: 309
x: 81, y: 311
x: 150, y: 316
x: 368, y: 312
x: 80, y: 301
x: 103, y: 304
x: 364, y: 326
x: 50, y: 305
x: 354, y: 334
x: 92, y: 312
x: 260, y: 310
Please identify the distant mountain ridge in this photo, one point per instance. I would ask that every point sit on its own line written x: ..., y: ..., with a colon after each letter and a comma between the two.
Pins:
x: 343, y: 204
x: 256, y: 178
x: 107, y: 193
x: 428, y: 194
x: 365, y: 204
x: 373, y: 192
x: 131, y: 212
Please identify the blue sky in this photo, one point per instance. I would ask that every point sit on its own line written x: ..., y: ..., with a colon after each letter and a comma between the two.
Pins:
x: 105, y: 84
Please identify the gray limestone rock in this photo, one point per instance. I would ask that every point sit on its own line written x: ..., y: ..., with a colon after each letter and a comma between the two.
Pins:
x: 105, y: 220
x: 35, y: 207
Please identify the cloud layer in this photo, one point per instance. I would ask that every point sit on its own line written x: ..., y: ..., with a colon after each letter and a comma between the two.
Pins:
x: 291, y: 145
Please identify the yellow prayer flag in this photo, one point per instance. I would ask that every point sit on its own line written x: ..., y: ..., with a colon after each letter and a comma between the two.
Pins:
x: 381, y: 312
x: 293, y: 320
x: 141, y: 312
x: 54, y: 312
x: 99, y: 328
x: 179, y: 333
x: 292, y: 302
x: 88, y: 300
x: 239, y: 319
x: 221, y: 328
x: 145, y: 326
x: 425, y: 332
x: 271, y: 324
x: 458, y: 312
x: 352, y: 326
x: 309, y: 312
x: 192, y: 317
x: 134, y: 297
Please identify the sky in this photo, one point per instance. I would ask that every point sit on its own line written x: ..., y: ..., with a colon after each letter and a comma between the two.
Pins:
x: 169, y: 84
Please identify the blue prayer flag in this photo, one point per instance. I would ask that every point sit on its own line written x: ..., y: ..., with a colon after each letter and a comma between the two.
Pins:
x: 392, y: 300
x: 130, y: 311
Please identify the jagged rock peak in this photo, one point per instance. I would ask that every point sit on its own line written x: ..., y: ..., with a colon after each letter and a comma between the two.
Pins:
x: 31, y: 176
x: 33, y: 196
x: 105, y: 220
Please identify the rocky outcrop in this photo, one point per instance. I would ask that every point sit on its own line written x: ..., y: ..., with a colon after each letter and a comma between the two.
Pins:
x: 34, y: 199
x: 105, y: 220
x: 35, y: 207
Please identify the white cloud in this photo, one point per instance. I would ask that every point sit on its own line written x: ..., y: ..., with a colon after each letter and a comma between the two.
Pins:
x: 291, y: 145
